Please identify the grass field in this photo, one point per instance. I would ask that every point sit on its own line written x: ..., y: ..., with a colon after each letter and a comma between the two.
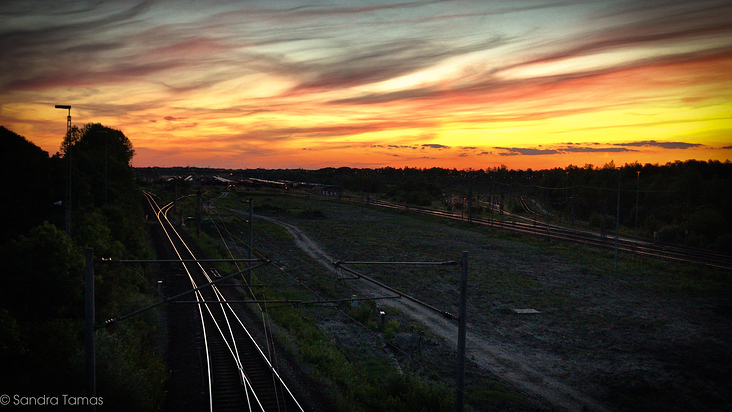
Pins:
x: 649, y: 336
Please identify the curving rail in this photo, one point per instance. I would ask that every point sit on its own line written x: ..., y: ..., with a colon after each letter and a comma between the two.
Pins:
x: 238, y: 374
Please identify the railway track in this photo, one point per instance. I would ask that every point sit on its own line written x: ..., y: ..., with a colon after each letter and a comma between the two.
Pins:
x: 540, y: 229
x: 237, y: 374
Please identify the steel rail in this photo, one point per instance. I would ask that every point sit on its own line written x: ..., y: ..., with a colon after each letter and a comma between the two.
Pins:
x: 637, y: 247
x: 237, y: 360
x: 276, y: 375
x: 233, y: 349
x: 197, y: 294
x: 179, y: 261
x: 223, y: 303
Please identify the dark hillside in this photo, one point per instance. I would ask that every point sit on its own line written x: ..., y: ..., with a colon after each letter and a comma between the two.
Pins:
x: 30, y: 186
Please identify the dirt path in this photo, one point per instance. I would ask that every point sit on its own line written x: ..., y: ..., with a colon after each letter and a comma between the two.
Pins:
x: 491, y: 355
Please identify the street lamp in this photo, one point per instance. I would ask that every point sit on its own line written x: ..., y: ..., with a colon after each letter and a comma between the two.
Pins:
x: 68, y: 170
x: 68, y: 118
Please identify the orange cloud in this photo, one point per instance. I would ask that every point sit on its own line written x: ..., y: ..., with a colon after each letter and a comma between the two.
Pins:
x: 410, y: 84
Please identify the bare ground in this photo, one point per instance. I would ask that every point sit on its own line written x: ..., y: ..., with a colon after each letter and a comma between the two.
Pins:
x: 648, y: 336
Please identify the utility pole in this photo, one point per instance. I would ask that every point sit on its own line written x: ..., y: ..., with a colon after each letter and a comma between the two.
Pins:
x: 67, y: 199
x: 566, y: 196
x: 573, y: 202
x: 546, y: 191
x: 493, y: 191
x: 89, y: 319
x: 175, y: 198
x: 501, y: 209
x: 251, y: 237
x: 617, y: 223
x: 198, y: 208
x: 470, y: 197
x: 460, y: 379
x: 637, y: 194
x: 106, y: 156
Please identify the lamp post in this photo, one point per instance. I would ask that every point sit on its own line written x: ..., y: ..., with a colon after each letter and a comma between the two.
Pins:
x: 67, y: 199
x: 89, y: 320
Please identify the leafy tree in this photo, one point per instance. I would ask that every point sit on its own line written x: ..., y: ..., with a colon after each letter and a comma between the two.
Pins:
x: 42, y: 305
x: 101, y: 158
x: 41, y: 302
x: 43, y: 275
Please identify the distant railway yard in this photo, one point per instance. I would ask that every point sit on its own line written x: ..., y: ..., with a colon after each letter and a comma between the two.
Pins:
x: 558, y: 319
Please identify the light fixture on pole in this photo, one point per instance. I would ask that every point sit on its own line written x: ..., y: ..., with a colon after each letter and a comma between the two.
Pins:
x: 68, y: 118
x: 67, y: 199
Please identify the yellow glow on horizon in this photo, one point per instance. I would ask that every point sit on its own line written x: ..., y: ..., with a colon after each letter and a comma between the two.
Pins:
x: 264, y: 117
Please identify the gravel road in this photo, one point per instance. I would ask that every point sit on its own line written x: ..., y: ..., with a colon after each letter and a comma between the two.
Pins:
x: 508, y: 366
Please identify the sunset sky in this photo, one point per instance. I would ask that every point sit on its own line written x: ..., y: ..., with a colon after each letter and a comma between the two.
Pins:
x: 456, y: 84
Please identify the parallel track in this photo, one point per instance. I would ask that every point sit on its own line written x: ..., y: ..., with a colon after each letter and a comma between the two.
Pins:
x: 238, y: 375
x: 544, y: 230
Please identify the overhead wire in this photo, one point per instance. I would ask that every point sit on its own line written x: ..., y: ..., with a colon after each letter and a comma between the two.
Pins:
x: 340, y: 310
x: 269, y: 341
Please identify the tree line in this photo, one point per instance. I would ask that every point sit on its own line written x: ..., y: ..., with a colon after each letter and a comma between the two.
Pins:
x: 682, y: 202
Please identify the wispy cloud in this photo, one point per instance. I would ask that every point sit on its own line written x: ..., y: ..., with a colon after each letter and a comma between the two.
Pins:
x: 595, y: 147
x: 446, y: 78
